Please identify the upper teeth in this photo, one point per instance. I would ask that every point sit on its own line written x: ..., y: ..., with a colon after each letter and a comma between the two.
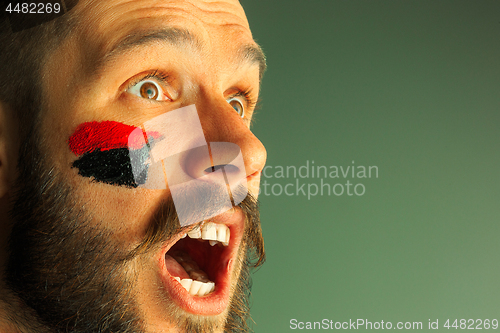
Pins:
x: 212, y: 232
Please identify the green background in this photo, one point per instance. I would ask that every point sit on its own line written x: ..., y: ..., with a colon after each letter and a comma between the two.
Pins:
x: 412, y: 87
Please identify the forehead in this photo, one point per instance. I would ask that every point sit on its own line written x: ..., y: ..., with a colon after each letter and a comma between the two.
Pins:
x: 216, y: 27
x: 110, y: 13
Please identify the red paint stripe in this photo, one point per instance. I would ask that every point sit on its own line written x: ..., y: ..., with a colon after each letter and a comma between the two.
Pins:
x: 105, y: 135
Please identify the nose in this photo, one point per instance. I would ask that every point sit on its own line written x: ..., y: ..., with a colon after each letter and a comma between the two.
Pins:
x: 227, y: 135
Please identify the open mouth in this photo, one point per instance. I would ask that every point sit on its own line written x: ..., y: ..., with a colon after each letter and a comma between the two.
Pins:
x: 194, y: 260
x: 197, y: 269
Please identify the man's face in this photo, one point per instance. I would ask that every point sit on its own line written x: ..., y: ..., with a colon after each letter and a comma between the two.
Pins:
x: 128, y: 62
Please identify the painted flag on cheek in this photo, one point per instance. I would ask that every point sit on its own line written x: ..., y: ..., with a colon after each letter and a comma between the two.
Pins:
x: 103, y: 150
x: 168, y: 151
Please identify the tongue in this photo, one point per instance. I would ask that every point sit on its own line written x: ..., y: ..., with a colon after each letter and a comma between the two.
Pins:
x: 174, y: 268
x: 181, y: 265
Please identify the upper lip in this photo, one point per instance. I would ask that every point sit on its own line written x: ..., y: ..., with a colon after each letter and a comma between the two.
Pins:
x: 216, y: 302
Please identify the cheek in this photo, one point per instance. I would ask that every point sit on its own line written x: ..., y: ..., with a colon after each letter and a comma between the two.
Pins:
x: 103, y: 162
x: 127, y: 213
x: 102, y: 150
x: 106, y: 149
x: 99, y: 136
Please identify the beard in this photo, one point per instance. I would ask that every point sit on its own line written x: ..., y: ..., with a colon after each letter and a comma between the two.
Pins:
x: 74, y: 277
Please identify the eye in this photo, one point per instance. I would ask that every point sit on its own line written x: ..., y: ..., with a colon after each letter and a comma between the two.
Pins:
x: 148, y: 89
x: 237, y: 106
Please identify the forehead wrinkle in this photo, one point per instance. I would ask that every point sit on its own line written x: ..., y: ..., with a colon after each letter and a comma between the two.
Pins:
x: 174, y: 36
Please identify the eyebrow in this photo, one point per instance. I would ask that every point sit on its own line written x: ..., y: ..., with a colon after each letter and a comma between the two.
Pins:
x: 249, y: 53
x: 253, y: 54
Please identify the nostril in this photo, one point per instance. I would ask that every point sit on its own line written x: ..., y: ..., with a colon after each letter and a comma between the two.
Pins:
x: 228, y: 168
x: 213, y: 168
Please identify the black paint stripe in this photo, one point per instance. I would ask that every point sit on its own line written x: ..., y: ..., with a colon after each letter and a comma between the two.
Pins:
x: 111, y: 167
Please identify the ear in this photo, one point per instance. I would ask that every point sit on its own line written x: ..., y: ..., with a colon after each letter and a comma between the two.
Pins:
x: 8, y: 149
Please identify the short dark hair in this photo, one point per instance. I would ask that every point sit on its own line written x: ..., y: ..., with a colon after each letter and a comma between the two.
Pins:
x: 23, y: 54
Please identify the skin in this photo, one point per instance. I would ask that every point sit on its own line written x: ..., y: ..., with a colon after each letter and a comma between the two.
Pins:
x: 75, y: 94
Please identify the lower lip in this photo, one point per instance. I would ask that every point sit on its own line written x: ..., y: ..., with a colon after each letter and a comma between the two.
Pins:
x: 213, y: 304
x: 216, y: 302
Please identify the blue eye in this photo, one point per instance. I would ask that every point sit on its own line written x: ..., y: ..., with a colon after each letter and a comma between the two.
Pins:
x: 148, y: 89
x: 237, y: 106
